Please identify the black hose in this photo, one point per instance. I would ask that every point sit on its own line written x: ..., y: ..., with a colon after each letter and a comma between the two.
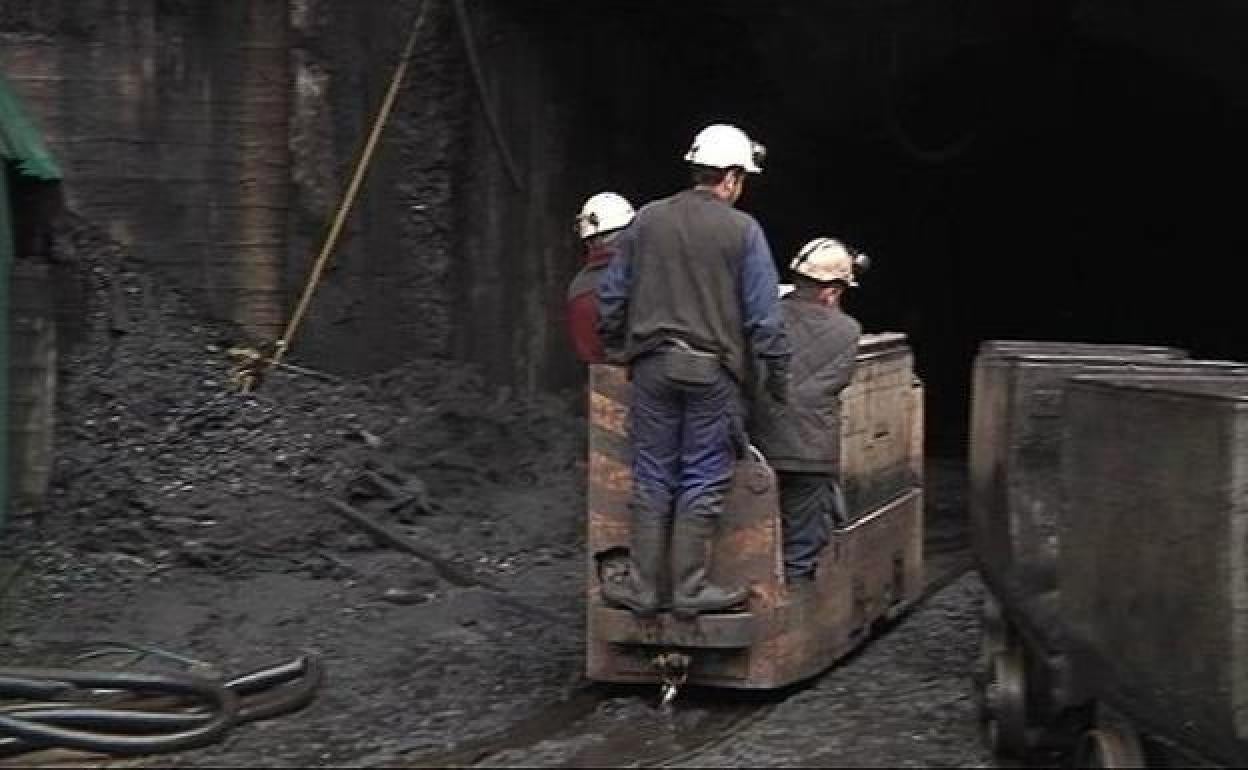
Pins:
x: 280, y: 703
x: 26, y: 734
x: 121, y: 731
x: 264, y: 678
x: 251, y: 709
x: 25, y: 687
x: 123, y: 720
x: 111, y: 647
x: 181, y: 684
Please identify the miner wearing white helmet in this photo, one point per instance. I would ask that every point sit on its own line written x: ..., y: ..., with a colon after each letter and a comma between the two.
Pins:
x: 801, y: 438
x: 599, y: 221
x: 689, y: 304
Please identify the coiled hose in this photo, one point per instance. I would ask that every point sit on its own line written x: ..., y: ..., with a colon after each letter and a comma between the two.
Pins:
x: 134, y: 727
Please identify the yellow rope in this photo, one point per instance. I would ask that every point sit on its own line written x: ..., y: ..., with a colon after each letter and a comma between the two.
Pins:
x: 352, y: 190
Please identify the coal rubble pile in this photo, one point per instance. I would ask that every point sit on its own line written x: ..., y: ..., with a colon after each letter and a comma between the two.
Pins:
x: 161, y: 461
x: 188, y: 515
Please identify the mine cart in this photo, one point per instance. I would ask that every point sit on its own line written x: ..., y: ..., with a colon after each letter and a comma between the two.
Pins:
x: 1153, y: 567
x: 1015, y: 460
x: 1015, y: 405
x: 871, y: 570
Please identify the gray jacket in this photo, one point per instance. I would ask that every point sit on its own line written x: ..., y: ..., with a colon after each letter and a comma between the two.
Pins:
x: 691, y: 267
x: 804, y: 435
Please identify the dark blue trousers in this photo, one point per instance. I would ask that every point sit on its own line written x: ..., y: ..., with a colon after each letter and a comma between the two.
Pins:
x: 684, y: 442
x: 810, y: 504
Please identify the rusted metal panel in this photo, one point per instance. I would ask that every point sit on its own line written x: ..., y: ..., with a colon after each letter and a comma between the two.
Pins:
x: 746, y: 547
x: 870, y: 571
x: 729, y: 630
x: 1153, y: 570
x: 878, y: 428
x: 866, y: 572
x: 631, y: 664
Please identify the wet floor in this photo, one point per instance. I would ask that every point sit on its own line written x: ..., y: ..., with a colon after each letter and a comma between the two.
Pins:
x: 904, y: 700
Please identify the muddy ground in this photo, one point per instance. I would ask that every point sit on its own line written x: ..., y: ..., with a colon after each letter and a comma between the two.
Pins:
x: 901, y: 701
x: 186, y: 515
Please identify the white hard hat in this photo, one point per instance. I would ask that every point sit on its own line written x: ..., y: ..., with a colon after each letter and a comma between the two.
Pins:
x: 603, y: 213
x: 825, y: 260
x: 724, y: 146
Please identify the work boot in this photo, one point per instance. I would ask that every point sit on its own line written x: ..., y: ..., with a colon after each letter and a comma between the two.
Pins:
x: 639, y: 589
x: 691, y: 555
x: 801, y: 587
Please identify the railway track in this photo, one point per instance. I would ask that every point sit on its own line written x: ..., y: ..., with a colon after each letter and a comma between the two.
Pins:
x: 617, y: 726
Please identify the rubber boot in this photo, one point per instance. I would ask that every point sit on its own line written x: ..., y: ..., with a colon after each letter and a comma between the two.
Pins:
x: 801, y: 587
x: 639, y: 591
x: 691, y: 556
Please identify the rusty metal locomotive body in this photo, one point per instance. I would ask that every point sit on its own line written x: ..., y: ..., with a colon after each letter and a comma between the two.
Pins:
x: 870, y: 570
x: 1106, y: 496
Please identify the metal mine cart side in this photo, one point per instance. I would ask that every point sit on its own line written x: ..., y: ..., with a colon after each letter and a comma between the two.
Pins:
x: 1153, y: 568
x: 1016, y: 455
x: 870, y: 570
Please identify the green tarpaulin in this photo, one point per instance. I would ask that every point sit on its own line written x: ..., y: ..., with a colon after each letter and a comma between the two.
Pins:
x: 20, y: 143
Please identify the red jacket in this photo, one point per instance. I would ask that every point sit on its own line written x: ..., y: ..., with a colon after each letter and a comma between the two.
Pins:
x: 583, y: 306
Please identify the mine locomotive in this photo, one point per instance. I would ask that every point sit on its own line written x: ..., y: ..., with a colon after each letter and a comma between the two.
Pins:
x: 870, y: 571
x: 1109, y: 495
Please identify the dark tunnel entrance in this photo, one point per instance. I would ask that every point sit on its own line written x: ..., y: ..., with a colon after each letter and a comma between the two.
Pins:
x: 1029, y: 169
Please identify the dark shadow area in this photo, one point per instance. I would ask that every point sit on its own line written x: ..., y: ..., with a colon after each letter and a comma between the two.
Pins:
x: 1011, y: 173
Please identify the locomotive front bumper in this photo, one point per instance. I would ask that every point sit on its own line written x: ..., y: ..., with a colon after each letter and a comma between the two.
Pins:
x: 726, y: 630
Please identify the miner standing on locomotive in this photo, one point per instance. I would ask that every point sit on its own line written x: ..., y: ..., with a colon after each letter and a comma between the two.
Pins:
x: 688, y: 302
x: 801, y: 438
x: 599, y: 222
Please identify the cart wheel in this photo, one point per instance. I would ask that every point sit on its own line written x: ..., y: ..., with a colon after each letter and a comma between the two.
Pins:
x: 1110, y: 746
x: 996, y: 634
x: 1005, y: 701
x: 994, y: 639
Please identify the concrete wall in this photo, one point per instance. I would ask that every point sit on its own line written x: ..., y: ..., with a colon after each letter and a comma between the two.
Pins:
x: 170, y: 120
x: 518, y: 250
x: 217, y: 140
x: 387, y: 282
